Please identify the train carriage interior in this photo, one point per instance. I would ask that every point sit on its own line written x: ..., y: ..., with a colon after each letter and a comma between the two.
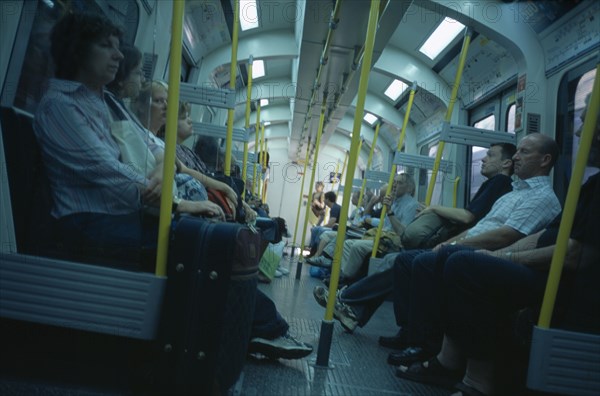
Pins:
x: 350, y: 93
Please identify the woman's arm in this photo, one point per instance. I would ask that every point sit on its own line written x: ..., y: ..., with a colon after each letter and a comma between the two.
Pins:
x: 209, y: 182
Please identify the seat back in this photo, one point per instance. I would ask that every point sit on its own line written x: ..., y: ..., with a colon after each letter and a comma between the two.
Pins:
x: 30, y: 195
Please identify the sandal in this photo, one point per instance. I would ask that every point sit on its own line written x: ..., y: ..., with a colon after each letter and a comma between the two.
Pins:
x: 466, y: 390
x: 430, y: 372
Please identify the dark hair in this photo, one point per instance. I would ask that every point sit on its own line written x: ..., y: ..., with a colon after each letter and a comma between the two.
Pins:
x: 72, y: 37
x: 131, y: 58
x: 207, y: 148
x: 508, y: 150
x: 331, y: 196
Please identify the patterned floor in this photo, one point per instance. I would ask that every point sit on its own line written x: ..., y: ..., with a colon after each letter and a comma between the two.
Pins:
x: 357, y: 364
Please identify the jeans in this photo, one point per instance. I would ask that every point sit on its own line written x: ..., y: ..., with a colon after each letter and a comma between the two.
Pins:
x: 267, y: 322
x: 481, y: 292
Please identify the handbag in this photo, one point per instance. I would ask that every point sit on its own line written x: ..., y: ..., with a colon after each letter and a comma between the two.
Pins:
x: 134, y: 150
x: 218, y: 197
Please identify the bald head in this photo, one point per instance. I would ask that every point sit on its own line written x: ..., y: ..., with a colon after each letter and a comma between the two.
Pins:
x: 536, y: 155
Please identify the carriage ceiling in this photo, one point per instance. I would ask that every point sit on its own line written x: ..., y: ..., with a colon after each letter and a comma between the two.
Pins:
x: 291, y: 39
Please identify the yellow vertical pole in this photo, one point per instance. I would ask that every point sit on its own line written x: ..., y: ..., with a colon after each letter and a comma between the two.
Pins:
x: 346, y: 160
x: 369, y: 161
x: 263, y: 161
x: 166, y: 201
x: 327, y: 324
x: 233, y: 77
x: 411, y: 99
x: 566, y: 221
x: 302, y: 191
x: 247, y: 126
x: 453, y: 96
x: 256, y: 148
x: 312, y: 177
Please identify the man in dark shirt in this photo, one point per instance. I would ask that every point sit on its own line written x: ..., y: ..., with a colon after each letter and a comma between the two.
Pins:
x: 359, y: 301
x: 334, y: 215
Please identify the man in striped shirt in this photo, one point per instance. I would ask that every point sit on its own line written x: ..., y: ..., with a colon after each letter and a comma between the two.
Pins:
x: 530, y: 207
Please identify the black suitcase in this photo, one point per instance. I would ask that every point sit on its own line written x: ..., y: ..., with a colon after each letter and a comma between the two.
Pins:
x: 208, y: 307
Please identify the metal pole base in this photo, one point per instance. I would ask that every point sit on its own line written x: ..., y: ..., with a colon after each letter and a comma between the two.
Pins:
x: 324, y: 343
x: 299, y: 267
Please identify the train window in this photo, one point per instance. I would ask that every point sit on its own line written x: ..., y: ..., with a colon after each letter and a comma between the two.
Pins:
x: 477, y: 154
x: 488, y: 122
x: 37, y: 66
x: 425, y: 176
x: 575, y: 85
x: 510, y: 118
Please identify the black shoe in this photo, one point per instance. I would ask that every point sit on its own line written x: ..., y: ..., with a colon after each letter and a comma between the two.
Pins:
x: 397, y: 341
x: 408, y: 355
x: 430, y: 372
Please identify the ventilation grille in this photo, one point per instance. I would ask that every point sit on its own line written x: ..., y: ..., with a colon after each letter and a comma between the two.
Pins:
x: 149, y: 65
x: 533, y: 123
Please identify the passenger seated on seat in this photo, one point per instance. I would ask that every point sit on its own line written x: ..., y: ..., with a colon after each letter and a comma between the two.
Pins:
x: 334, y: 216
x: 401, y: 212
x: 483, y: 288
x: 98, y: 201
x: 530, y: 207
x: 356, y: 218
x: 359, y: 301
x: 139, y: 147
x: 151, y: 108
x: 373, y: 209
x: 435, y: 224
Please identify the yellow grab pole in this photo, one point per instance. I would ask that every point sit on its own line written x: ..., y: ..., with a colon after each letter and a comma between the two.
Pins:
x: 232, y: 78
x: 566, y: 221
x: 312, y: 175
x: 263, y: 161
x: 327, y: 324
x: 256, y: 148
x: 453, y: 96
x: 455, y: 193
x: 369, y: 161
x: 247, y: 125
x: 302, y: 191
x: 411, y: 98
x: 166, y: 201
x: 346, y: 161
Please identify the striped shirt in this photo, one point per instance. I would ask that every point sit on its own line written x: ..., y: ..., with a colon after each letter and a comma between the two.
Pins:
x: 72, y: 126
x: 530, y: 207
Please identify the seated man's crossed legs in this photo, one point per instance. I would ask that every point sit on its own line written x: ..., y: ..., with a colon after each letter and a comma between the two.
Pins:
x: 418, y: 303
x: 356, y: 303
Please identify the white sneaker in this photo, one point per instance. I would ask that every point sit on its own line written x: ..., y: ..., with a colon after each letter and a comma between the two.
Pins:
x: 319, y: 261
x: 284, y: 347
x: 283, y: 270
x: 342, y: 312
